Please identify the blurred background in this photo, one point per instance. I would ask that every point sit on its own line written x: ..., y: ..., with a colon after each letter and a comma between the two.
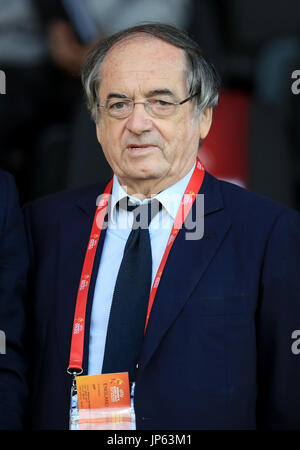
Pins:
x: 48, y: 141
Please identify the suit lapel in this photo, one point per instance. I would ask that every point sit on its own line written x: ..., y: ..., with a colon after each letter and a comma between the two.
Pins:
x: 73, y: 236
x: 187, y: 261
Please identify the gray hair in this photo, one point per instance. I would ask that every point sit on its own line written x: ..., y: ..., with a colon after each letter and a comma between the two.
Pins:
x: 201, y: 78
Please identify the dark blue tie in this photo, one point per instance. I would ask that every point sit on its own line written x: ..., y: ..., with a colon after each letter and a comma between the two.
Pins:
x: 130, y: 299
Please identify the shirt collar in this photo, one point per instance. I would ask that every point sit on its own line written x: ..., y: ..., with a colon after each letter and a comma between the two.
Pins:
x: 170, y: 198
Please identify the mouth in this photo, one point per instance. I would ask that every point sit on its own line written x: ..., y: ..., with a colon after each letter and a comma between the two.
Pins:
x: 139, y: 149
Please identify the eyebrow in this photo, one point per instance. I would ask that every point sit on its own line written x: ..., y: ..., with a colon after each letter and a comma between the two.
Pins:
x: 116, y: 95
x: 160, y: 92
x: 150, y: 93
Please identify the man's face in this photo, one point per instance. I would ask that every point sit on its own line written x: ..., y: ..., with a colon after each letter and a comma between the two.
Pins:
x: 141, y: 147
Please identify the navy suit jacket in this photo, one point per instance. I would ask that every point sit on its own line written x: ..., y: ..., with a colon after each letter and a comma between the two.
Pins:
x: 13, y: 273
x: 217, y: 353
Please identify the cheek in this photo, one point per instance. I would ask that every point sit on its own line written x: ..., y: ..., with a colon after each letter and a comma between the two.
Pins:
x: 175, y: 135
x: 109, y: 137
x: 170, y: 132
x: 111, y: 151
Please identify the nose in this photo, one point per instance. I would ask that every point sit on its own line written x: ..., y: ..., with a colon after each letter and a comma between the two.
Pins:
x: 139, y: 120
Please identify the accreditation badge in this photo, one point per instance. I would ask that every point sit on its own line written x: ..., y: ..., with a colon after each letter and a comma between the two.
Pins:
x: 102, y: 402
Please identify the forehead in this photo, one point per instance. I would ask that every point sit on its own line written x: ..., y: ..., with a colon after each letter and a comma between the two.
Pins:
x: 143, y: 63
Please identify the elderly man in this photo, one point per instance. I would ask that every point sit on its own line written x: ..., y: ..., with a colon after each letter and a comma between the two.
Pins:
x: 203, y: 322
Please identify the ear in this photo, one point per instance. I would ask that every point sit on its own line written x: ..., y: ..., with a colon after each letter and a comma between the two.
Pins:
x: 205, y: 122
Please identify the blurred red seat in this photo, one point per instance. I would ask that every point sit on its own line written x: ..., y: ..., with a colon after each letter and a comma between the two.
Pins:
x: 225, y: 151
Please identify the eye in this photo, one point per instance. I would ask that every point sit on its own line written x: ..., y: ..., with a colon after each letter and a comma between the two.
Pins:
x: 161, y: 103
x: 117, y: 105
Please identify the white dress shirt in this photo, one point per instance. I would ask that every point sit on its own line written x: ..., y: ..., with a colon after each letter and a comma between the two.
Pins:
x: 119, y: 227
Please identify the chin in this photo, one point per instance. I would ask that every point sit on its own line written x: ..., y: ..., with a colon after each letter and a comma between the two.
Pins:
x: 148, y: 171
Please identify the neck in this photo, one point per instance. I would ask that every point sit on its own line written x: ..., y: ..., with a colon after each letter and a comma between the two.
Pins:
x: 142, y: 189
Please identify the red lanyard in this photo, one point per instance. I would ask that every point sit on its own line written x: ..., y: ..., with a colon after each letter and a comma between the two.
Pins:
x: 77, y: 343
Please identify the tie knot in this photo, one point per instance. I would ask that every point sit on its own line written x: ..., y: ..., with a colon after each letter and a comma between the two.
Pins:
x: 143, y: 213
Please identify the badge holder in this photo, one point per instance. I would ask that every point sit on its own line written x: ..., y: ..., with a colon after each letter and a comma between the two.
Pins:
x: 102, y: 402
